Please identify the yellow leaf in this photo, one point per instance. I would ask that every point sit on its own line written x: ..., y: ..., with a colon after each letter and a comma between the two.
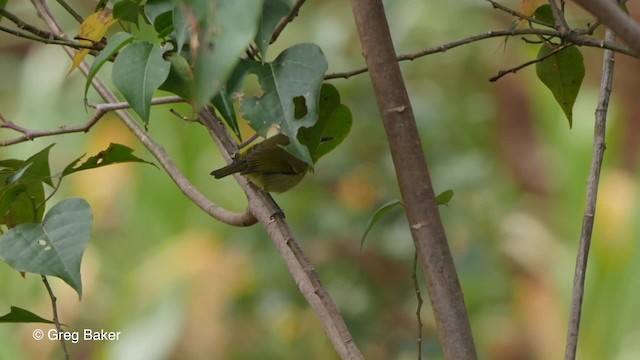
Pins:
x: 529, y: 7
x: 90, y: 32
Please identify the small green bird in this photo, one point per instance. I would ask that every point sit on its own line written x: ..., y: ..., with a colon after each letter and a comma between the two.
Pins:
x: 268, y: 165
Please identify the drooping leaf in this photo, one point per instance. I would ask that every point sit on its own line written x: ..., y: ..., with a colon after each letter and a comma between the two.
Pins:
x: 180, y: 27
x: 333, y: 125
x: 114, y: 154
x: 90, y: 32
x: 291, y: 81
x: 272, y: 12
x: 19, y: 201
x: 53, y: 247
x: 562, y: 73
x: 384, y: 209
x: 226, y: 30
x: 19, y: 315
x: 115, y: 43
x: 138, y: 72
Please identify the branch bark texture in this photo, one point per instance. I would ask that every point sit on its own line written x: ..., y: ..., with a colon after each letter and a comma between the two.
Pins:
x: 612, y: 15
x: 588, y: 218
x: 414, y: 180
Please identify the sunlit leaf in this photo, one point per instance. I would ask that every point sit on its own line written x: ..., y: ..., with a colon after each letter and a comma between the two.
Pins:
x: 90, y: 32
x: 138, y: 71
x: 562, y: 73
x: 53, y: 247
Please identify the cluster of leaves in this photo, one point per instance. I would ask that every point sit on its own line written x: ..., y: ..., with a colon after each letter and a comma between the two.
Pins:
x: 50, y: 244
x: 203, y: 52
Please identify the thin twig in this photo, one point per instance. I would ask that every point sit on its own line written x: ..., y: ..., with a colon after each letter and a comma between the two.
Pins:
x: 588, y: 218
x: 416, y: 288
x: 56, y: 320
x: 50, y: 41
x: 517, y: 14
x: 28, y: 27
x: 515, y: 69
x: 574, y: 38
x: 558, y: 15
x: 101, y: 110
x: 71, y: 11
x: 285, y: 21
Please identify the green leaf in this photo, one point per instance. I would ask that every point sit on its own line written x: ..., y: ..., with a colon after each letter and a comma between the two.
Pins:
x: 22, y: 189
x: 159, y: 13
x: 138, y: 72
x: 224, y: 103
x: 545, y: 14
x: 377, y: 216
x: 19, y: 315
x: 3, y: 3
x: 180, y: 27
x: 291, y: 81
x: 53, y: 247
x: 333, y: 125
x: 19, y: 201
x: 180, y: 79
x: 562, y: 73
x: 226, y: 30
x: 114, y: 154
x: 127, y: 10
x: 115, y: 43
x: 444, y: 197
x: 272, y: 12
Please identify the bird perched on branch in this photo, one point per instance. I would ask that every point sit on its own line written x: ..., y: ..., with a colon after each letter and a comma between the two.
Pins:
x: 267, y: 165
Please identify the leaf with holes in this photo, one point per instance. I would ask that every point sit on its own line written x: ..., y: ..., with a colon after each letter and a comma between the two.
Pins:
x: 53, y: 247
x: 333, y: 125
x: 291, y: 87
x: 114, y: 154
x: 562, y: 73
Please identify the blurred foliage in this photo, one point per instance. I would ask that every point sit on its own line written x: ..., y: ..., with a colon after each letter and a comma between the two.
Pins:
x: 178, y: 285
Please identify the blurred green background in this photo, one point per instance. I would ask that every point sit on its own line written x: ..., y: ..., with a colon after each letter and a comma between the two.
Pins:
x: 179, y: 285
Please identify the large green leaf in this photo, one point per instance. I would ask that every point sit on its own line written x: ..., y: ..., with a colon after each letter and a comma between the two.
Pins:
x: 333, y: 125
x: 53, y: 247
x: 127, y: 10
x: 272, y: 12
x: 19, y: 315
x: 291, y: 87
x: 115, y: 43
x: 138, y: 71
x: 226, y: 30
x: 562, y: 73
x: 114, y: 154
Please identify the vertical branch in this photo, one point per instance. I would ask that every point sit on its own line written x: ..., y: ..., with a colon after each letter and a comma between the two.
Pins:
x: 414, y: 180
x: 590, y: 206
